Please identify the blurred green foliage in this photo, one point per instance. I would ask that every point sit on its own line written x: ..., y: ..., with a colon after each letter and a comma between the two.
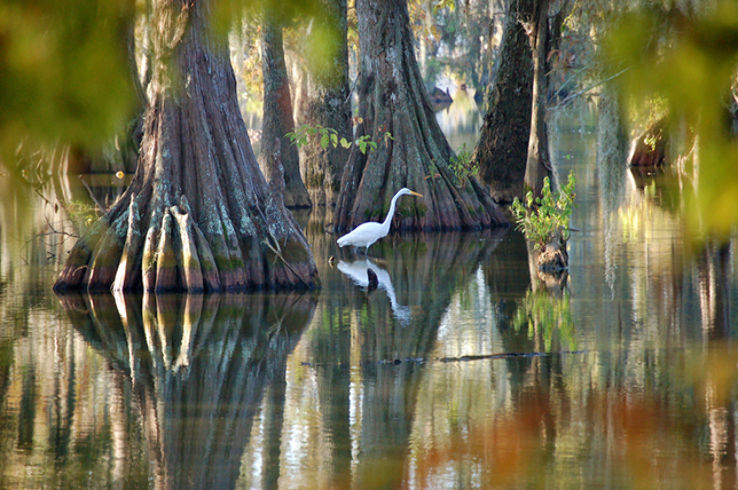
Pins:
x: 686, y: 60
x: 66, y: 72
x: 317, y: 30
x: 63, y: 72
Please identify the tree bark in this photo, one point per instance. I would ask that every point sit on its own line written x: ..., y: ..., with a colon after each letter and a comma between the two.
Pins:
x: 277, y: 120
x: 198, y: 215
x: 503, y: 143
x: 327, y: 104
x: 393, y: 100
x: 538, y: 162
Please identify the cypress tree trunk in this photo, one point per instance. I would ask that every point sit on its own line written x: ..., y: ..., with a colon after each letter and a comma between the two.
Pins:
x: 277, y: 120
x: 327, y: 104
x: 538, y: 163
x: 393, y: 99
x: 198, y: 215
x: 503, y: 143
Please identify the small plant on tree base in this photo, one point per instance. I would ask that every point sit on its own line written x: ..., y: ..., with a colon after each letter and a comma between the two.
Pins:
x: 463, y: 166
x: 545, y: 219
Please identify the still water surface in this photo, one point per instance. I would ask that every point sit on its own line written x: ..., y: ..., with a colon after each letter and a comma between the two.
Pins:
x: 459, y: 370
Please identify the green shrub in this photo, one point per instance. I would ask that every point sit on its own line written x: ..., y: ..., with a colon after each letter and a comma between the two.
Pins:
x: 544, y: 218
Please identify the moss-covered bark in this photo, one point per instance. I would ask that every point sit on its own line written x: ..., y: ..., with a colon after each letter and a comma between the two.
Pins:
x: 393, y: 101
x: 503, y: 142
x: 198, y: 198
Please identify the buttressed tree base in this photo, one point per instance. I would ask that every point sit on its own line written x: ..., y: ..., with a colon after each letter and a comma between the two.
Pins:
x: 198, y: 215
x: 411, y: 151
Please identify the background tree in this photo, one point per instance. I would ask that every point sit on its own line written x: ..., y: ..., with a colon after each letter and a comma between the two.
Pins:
x: 277, y: 121
x: 395, y: 111
x: 513, y: 145
x: 198, y: 214
x: 503, y: 141
x: 326, y: 102
x: 456, y: 39
x: 538, y: 162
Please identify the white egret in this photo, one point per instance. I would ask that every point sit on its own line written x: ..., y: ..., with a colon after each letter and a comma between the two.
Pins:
x: 367, y: 233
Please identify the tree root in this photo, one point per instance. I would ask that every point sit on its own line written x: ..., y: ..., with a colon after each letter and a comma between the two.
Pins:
x: 176, y: 255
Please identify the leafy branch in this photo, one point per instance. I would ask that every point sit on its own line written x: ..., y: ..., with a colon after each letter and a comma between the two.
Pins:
x: 463, y: 166
x: 329, y: 137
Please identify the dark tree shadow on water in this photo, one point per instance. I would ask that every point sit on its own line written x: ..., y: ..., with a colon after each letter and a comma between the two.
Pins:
x: 198, y: 368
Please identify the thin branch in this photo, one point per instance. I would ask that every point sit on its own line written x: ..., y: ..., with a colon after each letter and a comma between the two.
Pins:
x: 584, y: 91
x: 100, y: 207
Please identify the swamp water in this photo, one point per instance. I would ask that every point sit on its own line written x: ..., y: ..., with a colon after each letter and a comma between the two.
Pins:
x: 455, y: 372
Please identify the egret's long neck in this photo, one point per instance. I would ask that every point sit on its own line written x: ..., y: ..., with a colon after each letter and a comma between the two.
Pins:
x: 388, y: 220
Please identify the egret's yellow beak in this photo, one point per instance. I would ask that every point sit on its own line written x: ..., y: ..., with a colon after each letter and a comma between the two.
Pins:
x: 416, y: 194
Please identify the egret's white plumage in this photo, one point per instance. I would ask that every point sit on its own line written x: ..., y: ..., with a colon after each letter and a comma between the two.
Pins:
x: 367, y: 233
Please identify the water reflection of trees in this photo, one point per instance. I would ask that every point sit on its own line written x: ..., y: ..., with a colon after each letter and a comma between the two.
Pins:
x: 367, y: 411
x: 427, y: 270
x: 623, y: 416
x: 196, y: 370
x: 713, y: 266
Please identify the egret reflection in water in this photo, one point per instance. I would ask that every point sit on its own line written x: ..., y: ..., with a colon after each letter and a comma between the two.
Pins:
x: 358, y: 272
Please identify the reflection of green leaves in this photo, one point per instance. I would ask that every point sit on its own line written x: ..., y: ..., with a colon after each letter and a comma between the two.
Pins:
x: 689, y: 62
x: 547, y: 316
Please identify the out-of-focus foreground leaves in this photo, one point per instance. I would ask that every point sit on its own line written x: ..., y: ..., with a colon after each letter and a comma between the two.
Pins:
x: 64, y: 75
x: 65, y: 70
x: 687, y: 61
